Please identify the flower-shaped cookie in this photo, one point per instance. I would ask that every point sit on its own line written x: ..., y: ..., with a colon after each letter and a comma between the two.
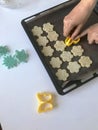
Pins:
x: 52, y: 36
x: 73, y: 67
x: 55, y: 62
x: 60, y: 46
x: 48, y: 27
x: 42, y: 41
x: 37, y: 31
x: 47, y: 51
x: 66, y: 56
x: 85, y: 61
x: 62, y: 74
x: 77, y: 50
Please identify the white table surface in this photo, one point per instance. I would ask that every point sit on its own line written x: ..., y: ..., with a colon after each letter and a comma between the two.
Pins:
x: 77, y: 110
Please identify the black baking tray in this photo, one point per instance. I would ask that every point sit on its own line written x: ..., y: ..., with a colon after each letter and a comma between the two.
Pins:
x: 55, y: 15
x: 0, y: 127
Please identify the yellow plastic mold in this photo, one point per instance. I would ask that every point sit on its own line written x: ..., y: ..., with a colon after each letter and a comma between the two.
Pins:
x: 69, y: 41
x: 44, y: 107
x: 45, y: 101
x: 44, y: 97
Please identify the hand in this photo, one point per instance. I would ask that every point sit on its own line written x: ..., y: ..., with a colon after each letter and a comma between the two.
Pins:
x: 92, y: 34
x: 75, y: 20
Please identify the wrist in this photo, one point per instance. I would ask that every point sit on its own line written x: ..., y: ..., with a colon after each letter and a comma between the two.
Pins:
x: 89, y: 4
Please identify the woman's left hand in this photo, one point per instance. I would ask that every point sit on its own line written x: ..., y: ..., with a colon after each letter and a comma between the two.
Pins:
x: 92, y: 34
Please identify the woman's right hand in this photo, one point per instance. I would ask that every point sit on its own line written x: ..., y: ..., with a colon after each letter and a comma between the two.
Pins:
x: 75, y: 20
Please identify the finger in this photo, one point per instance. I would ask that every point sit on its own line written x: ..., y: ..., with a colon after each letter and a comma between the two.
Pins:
x: 96, y: 38
x: 76, y: 32
x: 82, y: 34
x: 96, y: 42
x: 90, y: 39
x: 67, y: 29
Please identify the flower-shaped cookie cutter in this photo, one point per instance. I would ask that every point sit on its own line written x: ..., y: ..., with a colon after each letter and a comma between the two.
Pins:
x: 69, y: 41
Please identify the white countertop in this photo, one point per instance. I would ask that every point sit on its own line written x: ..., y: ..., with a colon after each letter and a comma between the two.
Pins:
x: 77, y: 110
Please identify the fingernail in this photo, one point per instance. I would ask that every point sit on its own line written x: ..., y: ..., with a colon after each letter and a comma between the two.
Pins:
x: 89, y: 43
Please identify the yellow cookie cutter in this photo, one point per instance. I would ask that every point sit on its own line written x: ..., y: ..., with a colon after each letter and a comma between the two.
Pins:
x: 45, y: 100
x: 69, y: 41
x: 44, y: 107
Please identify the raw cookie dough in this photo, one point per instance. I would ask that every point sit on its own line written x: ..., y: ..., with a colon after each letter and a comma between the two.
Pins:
x: 73, y: 67
x: 37, y: 31
x: 66, y: 56
x: 60, y: 45
x: 85, y: 61
x: 52, y: 36
x: 77, y: 50
x: 55, y: 62
x: 62, y: 74
x: 42, y: 41
x: 47, y: 51
x: 48, y: 27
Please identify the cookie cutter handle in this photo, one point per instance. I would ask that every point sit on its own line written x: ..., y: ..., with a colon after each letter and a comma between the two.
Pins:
x: 76, y: 41
x: 69, y: 41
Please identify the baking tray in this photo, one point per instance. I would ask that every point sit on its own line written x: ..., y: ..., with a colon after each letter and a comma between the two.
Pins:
x: 55, y: 16
x: 0, y: 127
